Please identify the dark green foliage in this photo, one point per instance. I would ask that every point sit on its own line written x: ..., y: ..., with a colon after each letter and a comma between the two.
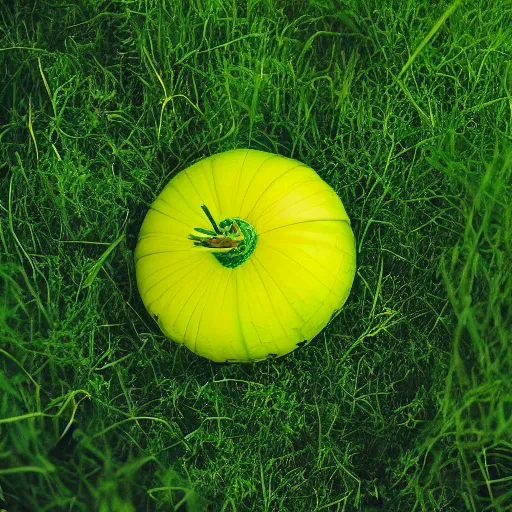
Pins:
x: 404, y: 402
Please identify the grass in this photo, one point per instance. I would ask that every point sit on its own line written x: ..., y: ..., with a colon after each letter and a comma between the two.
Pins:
x: 404, y: 402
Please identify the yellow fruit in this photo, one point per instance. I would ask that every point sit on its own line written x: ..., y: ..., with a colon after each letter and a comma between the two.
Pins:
x: 270, y: 272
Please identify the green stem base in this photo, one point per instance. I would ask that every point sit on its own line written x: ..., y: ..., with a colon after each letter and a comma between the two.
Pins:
x: 241, y: 253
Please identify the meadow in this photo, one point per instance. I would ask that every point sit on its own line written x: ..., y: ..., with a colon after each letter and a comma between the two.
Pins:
x: 404, y: 401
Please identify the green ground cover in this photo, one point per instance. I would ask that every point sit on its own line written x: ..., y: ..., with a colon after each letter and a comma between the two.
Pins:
x: 404, y: 402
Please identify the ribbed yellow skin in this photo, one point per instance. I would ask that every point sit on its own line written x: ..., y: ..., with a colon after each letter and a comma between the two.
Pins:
x: 298, y: 276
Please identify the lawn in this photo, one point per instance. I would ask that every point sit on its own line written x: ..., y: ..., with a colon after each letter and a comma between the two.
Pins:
x: 404, y: 401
